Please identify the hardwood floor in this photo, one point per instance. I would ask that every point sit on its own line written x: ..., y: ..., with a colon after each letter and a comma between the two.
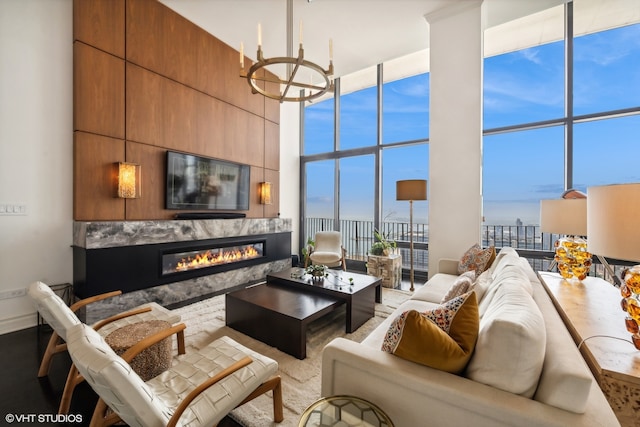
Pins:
x: 23, y: 394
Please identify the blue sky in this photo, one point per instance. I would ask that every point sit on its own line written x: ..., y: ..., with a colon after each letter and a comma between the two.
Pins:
x: 520, y: 87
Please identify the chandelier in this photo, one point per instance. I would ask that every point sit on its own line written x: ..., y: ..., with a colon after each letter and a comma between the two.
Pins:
x: 297, y: 69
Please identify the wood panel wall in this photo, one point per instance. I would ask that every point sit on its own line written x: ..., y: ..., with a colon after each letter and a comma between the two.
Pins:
x: 146, y: 80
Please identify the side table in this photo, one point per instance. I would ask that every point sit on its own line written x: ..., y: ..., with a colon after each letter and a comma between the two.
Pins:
x: 152, y: 361
x: 591, y: 311
x: 388, y: 267
x: 344, y: 411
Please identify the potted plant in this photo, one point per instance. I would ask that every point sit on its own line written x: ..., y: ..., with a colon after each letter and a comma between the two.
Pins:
x: 317, y: 271
x: 382, y: 246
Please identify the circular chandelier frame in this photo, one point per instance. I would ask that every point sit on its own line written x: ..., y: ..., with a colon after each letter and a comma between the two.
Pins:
x: 296, y: 64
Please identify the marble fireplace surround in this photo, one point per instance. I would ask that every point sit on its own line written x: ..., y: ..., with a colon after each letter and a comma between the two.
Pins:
x: 92, y: 237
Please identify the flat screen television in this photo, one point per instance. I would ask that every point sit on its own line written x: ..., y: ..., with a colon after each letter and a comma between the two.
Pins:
x: 196, y: 183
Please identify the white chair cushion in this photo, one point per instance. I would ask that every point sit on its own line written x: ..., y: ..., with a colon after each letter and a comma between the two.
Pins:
x: 325, y: 258
x: 173, y: 385
x: 52, y: 309
x: 328, y: 241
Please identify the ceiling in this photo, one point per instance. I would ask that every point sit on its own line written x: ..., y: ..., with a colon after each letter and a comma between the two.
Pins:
x: 364, y: 32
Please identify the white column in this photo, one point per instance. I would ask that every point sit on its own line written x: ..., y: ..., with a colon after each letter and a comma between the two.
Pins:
x: 455, y: 149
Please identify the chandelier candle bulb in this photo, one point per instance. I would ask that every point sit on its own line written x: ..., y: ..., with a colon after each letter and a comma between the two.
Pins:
x: 259, y: 35
x: 330, y: 49
x: 242, y: 55
x: 300, y: 37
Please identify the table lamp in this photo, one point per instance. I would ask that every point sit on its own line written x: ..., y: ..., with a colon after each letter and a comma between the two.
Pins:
x: 411, y: 189
x: 568, y: 217
x: 613, y: 226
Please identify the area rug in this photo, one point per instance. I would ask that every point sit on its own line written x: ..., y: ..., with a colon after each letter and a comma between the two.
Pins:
x: 205, y: 321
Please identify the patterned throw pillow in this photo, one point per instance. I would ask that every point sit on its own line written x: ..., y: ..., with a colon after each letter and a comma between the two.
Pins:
x: 461, y: 285
x: 476, y: 258
x: 442, y: 338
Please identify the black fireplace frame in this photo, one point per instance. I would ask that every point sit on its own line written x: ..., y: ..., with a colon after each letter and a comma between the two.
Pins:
x: 136, y: 267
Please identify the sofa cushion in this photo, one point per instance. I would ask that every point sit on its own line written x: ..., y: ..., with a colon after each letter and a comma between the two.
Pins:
x: 510, y: 350
x: 460, y: 286
x: 481, y: 285
x: 476, y: 258
x: 435, y: 288
x: 565, y: 381
x: 510, y: 275
x: 506, y: 256
x: 442, y: 338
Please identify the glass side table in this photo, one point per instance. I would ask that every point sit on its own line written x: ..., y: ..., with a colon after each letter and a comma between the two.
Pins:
x: 344, y: 411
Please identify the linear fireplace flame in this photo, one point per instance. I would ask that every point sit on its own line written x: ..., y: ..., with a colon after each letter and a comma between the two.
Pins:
x: 194, y: 260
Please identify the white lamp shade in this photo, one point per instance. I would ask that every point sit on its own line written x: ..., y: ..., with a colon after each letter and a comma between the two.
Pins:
x: 411, y: 189
x: 564, y: 216
x: 613, y: 221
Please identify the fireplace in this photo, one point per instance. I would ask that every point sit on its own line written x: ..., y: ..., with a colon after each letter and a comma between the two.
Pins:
x: 177, y: 262
x: 187, y: 257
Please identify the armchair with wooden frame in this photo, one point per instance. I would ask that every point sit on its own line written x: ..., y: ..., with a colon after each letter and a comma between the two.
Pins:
x: 61, y: 318
x: 328, y: 250
x: 198, y: 390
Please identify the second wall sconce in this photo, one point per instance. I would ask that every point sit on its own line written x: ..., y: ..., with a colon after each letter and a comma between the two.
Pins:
x: 265, y: 193
x: 128, y: 180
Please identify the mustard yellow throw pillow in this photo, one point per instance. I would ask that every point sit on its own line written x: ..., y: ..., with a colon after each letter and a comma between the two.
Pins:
x: 442, y: 338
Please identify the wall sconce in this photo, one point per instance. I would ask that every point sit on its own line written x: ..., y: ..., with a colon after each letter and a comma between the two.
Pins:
x: 128, y: 180
x: 265, y: 193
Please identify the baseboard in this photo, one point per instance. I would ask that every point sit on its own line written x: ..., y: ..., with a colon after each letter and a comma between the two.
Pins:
x: 17, y: 323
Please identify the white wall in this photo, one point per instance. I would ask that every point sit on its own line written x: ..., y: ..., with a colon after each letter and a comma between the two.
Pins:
x: 36, y: 138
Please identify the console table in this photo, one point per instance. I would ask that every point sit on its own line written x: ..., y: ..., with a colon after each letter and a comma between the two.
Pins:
x: 591, y: 311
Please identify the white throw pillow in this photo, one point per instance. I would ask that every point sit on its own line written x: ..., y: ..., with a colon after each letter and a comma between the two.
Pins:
x: 511, y: 344
x: 460, y: 286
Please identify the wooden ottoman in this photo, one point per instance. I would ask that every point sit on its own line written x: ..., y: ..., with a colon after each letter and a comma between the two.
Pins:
x: 152, y: 361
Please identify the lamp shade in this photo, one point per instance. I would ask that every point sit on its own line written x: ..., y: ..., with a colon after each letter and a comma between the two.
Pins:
x: 411, y: 189
x: 613, y: 221
x: 564, y: 216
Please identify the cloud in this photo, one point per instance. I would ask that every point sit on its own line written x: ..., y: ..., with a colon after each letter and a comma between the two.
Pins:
x: 531, y: 55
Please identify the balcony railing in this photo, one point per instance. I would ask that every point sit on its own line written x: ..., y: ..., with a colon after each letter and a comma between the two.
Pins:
x: 528, y: 240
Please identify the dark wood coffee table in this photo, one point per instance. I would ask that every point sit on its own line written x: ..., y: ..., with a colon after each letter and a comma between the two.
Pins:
x: 277, y: 315
x: 360, y: 295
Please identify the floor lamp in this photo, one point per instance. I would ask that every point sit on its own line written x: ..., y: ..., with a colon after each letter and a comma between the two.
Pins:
x: 411, y: 189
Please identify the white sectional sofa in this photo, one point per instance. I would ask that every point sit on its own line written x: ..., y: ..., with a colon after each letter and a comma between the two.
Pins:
x: 525, y: 369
